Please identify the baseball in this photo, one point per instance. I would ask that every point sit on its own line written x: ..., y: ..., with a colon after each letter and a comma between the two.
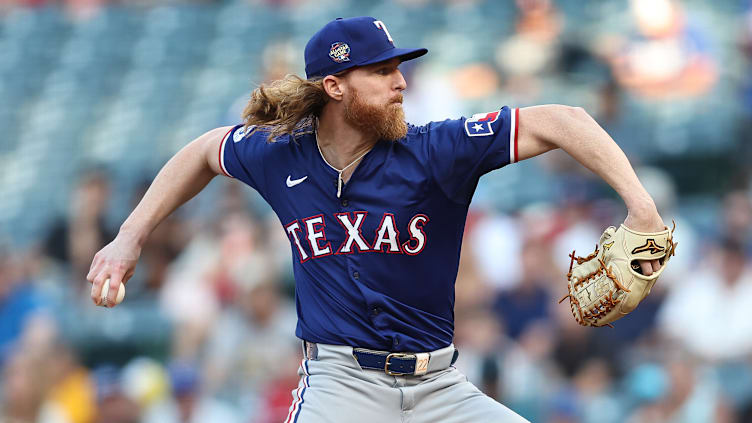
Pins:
x: 106, y: 289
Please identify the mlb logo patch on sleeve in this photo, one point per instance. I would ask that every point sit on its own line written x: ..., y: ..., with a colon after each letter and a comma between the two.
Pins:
x: 241, y: 133
x: 479, y: 124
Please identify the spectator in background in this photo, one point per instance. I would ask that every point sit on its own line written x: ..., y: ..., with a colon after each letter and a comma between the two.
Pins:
x: 277, y: 60
x: 529, y: 375
x: 204, y: 277
x: 528, y: 302
x: 627, y: 128
x: 736, y: 221
x: 71, y: 396
x: 23, y: 3
x: 574, y: 345
x: 161, y: 249
x: 83, y: 10
x: 746, y: 33
x: 745, y: 123
x: 686, y: 394
x: 669, y: 58
x: 21, y: 306
x: 530, y: 52
x: 253, y: 346
x: 421, y: 104
x: 709, y: 312
x: 492, y: 235
x: 577, y: 229
x: 593, y: 392
x: 187, y: 404
x: 75, y: 237
x: 481, y: 337
x: 22, y: 387
x: 471, y: 291
x: 113, y: 406
x: 36, y: 374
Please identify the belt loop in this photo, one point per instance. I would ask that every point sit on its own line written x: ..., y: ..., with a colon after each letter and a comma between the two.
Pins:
x: 310, y: 350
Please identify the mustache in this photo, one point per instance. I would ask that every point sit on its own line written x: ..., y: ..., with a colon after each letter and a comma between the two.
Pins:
x: 397, y: 99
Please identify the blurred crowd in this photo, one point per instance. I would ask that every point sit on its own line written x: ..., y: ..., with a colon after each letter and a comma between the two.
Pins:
x: 206, y: 332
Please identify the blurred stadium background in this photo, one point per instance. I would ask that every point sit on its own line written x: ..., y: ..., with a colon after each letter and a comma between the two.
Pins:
x: 96, y: 95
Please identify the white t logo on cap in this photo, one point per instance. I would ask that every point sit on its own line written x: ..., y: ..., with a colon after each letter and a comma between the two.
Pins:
x: 380, y: 25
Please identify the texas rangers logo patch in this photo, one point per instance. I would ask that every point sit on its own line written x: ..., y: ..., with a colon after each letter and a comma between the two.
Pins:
x: 479, y: 124
x: 340, y: 52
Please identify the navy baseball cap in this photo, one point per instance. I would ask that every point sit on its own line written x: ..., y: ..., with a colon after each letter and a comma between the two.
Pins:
x: 345, y: 43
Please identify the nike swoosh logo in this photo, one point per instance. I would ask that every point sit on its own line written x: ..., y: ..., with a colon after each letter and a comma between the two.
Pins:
x: 292, y: 182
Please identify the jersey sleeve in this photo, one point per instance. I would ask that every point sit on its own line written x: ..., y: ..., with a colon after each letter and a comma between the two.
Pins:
x: 241, y: 155
x: 462, y: 150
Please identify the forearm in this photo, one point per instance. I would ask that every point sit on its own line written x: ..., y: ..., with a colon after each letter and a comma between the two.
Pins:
x: 184, y: 176
x: 580, y: 136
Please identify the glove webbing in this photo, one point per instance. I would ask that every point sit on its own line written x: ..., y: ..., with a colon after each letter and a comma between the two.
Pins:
x: 607, y: 303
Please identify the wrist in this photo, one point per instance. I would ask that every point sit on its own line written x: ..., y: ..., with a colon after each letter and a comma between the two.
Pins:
x: 640, y: 204
x: 132, y: 235
x: 643, y: 216
x: 643, y: 209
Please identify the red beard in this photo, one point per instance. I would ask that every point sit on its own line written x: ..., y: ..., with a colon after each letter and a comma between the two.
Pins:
x: 387, y: 122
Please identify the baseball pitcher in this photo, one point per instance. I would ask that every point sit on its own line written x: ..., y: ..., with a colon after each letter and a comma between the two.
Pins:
x: 374, y: 209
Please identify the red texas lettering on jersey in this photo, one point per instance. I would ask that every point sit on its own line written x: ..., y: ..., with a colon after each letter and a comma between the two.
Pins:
x: 311, y: 231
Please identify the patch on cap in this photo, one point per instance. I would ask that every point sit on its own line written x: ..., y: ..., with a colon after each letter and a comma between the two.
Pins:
x: 340, y: 52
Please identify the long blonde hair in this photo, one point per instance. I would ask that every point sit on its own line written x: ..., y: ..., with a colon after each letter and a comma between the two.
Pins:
x: 285, y: 105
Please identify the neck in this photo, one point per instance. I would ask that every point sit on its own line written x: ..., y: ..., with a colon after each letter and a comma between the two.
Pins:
x: 340, y: 142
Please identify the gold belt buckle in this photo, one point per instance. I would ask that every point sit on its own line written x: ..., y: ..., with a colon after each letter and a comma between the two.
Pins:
x: 396, y: 355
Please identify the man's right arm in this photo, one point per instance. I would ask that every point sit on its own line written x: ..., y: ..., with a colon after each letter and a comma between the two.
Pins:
x: 184, y: 176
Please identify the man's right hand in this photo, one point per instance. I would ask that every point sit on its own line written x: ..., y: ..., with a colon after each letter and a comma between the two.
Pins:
x: 184, y: 175
x: 116, y: 262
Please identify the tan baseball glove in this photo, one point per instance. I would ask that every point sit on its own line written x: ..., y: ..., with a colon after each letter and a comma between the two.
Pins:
x: 608, y: 284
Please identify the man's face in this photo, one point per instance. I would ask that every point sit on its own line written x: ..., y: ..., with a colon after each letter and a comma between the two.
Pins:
x: 373, y: 102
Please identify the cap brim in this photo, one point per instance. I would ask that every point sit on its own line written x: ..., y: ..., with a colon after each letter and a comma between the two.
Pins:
x: 404, y: 54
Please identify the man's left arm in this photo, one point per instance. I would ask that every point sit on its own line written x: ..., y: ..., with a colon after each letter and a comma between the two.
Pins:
x: 544, y: 128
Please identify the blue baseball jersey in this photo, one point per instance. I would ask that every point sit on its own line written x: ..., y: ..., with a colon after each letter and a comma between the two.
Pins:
x: 375, y: 267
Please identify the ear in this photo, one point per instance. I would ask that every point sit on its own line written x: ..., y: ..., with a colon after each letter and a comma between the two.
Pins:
x: 334, y: 87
